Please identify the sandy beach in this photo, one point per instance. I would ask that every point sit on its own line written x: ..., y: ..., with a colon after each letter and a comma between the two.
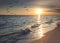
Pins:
x: 50, y: 37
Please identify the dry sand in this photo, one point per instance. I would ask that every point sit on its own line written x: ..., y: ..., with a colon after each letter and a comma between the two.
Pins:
x: 50, y: 37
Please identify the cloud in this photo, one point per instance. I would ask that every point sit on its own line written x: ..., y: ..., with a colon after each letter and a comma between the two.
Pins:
x: 13, y: 3
x: 56, y: 10
x: 31, y: 3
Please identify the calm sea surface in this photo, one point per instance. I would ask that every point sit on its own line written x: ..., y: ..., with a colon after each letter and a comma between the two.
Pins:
x: 13, y: 24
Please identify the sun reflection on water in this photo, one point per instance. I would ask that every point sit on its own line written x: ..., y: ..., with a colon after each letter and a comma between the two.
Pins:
x: 38, y: 18
x: 40, y: 32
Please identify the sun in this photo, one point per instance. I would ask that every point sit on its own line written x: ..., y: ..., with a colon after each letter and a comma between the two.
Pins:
x: 38, y: 11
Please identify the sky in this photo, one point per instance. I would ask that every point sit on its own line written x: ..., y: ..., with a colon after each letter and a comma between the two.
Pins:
x: 27, y: 7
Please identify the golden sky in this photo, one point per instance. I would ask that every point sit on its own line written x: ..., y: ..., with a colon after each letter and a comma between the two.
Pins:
x: 28, y: 7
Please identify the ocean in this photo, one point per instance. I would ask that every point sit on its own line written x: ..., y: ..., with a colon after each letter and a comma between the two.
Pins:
x: 10, y: 25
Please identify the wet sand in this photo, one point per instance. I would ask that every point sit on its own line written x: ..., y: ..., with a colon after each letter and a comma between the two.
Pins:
x: 50, y: 37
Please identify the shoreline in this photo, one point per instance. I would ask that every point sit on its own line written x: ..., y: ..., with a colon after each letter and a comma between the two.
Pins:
x: 50, y: 37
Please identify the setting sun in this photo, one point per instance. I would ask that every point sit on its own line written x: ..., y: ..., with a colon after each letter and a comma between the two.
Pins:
x: 38, y: 11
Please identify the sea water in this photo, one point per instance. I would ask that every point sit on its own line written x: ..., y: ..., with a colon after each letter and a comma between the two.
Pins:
x: 14, y: 23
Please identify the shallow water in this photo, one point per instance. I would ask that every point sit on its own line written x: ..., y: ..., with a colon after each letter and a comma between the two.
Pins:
x: 13, y: 24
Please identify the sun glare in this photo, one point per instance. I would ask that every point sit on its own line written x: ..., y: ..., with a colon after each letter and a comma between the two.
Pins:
x: 38, y: 11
